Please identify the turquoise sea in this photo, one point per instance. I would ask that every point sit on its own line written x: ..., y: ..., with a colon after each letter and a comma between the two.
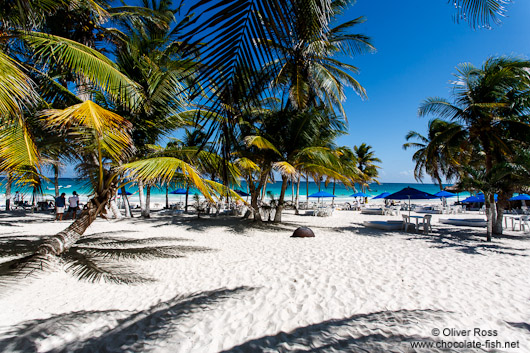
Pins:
x: 68, y: 185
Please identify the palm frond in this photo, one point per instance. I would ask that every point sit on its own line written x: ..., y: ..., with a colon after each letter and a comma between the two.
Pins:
x: 261, y: 143
x: 17, y: 91
x: 480, y: 13
x: 18, y: 153
x: 87, y: 266
x: 83, y: 60
x: 164, y: 169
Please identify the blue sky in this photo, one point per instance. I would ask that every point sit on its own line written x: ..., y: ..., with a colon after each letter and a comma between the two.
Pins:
x: 418, y: 47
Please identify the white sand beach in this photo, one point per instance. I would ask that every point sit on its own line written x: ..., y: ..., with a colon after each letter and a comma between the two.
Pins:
x: 242, y: 287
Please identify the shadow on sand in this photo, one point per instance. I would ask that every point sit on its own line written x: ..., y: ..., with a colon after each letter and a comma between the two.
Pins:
x: 94, y: 257
x: 373, y: 332
x: 471, y: 241
x: 112, y: 330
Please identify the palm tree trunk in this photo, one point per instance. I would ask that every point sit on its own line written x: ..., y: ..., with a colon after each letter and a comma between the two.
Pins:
x: 8, y: 192
x: 62, y: 241
x: 113, y: 207
x: 297, y: 199
x: 147, y: 211
x: 292, y: 190
x: 128, y: 213
x: 490, y: 209
x: 264, y: 192
x: 167, y: 197
x: 56, y: 179
x: 307, y: 190
x: 502, y: 203
x: 187, y: 194
x: 333, y: 199
x: 279, y: 208
x: 254, y: 195
x: 141, y: 196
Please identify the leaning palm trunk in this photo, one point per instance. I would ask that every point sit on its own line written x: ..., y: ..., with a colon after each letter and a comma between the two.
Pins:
x: 279, y: 208
x: 62, y: 241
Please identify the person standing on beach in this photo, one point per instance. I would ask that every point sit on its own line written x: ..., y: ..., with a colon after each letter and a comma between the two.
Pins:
x: 73, y: 203
x: 16, y: 199
x: 60, y: 203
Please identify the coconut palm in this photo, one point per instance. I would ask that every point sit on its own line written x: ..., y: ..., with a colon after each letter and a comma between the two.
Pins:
x: 436, y: 154
x: 366, y: 164
x: 148, y: 54
x: 102, y: 140
x: 309, y: 71
x: 19, y: 98
x: 491, y: 106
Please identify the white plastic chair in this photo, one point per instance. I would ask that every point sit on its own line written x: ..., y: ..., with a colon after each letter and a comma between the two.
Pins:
x: 406, y: 223
x: 426, y: 225
x: 523, y: 223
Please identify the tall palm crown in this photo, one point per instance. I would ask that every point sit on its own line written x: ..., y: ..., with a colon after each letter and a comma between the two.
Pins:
x: 441, y: 152
x: 308, y: 70
x: 366, y: 163
x: 147, y: 54
x: 491, y: 103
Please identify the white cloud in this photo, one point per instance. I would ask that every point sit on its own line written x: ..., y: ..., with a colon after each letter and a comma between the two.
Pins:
x: 409, y: 172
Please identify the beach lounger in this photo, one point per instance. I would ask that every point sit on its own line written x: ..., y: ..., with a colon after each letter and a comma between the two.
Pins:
x: 467, y: 222
x: 384, y: 225
x: 376, y: 211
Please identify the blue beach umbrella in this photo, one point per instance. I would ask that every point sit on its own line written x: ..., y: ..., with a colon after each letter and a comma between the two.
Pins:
x: 321, y: 194
x: 381, y: 196
x: 444, y: 193
x: 477, y: 198
x: 409, y: 193
x: 359, y: 194
x: 471, y: 199
x: 178, y: 192
x: 241, y: 193
x: 126, y: 192
x: 520, y: 197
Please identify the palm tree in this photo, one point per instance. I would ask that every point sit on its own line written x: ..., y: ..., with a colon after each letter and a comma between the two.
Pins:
x: 366, y: 160
x: 436, y: 153
x: 19, y: 99
x: 103, y: 141
x: 309, y: 71
x: 491, y: 109
x: 148, y: 54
